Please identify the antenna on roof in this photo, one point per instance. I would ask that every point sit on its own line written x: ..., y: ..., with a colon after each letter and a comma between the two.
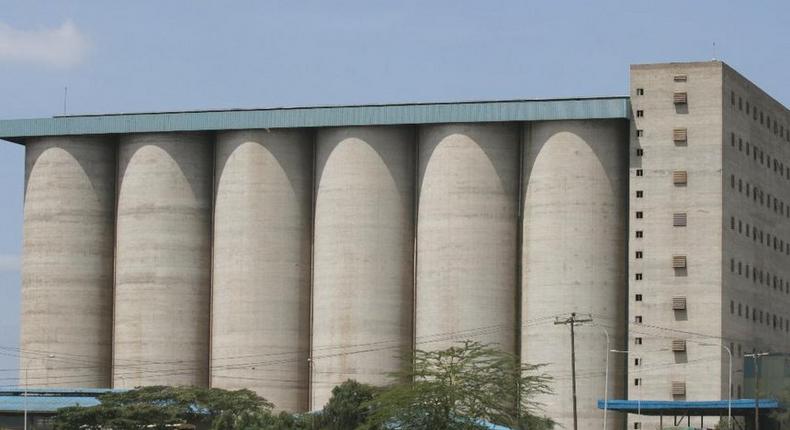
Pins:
x: 714, y: 50
x: 65, y: 97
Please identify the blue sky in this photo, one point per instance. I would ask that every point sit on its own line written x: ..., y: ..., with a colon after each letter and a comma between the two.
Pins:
x: 155, y: 55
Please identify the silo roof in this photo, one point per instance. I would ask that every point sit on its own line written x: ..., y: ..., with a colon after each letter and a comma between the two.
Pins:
x: 18, y: 130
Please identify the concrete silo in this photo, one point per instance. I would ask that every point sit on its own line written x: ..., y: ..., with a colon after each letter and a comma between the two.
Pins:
x: 261, y: 278
x: 466, y: 234
x: 573, y: 257
x: 363, y: 255
x: 163, y: 260
x: 68, y: 261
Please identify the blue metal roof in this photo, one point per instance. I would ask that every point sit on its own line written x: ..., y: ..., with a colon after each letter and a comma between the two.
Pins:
x: 696, y: 408
x: 326, y: 116
x: 43, y: 404
x: 49, y: 400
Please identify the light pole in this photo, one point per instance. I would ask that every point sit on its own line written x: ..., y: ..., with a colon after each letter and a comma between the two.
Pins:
x: 729, y: 385
x: 27, y: 366
x: 639, y: 387
x: 606, y: 376
x: 756, y: 355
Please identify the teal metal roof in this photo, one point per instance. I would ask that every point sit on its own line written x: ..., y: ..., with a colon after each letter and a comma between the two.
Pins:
x: 327, y: 116
x: 49, y: 400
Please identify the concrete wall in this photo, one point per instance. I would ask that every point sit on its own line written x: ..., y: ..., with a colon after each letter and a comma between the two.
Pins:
x: 68, y: 261
x: 163, y: 260
x: 700, y: 366
x: 363, y: 255
x: 261, y: 278
x: 756, y: 156
x: 573, y: 260
x: 466, y: 236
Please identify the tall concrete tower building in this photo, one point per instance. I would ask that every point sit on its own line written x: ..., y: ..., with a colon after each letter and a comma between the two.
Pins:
x: 287, y: 250
x: 709, y: 229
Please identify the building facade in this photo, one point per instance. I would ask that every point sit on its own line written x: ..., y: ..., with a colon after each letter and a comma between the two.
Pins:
x: 286, y: 250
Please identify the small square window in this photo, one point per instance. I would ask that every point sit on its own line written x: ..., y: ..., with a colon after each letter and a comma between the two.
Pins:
x: 640, y: 133
x: 640, y: 172
x: 639, y: 254
x: 637, y: 341
x: 640, y: 194
x: 640, y: 91
x: 640, y: 113
x: 639, y: 234
x: 640, y: 152
x: 638, y: 319
x: 638, y: 276
x: 637, y: 361
x: 638, y: 298
x: 637, y: 381
x: 639, y: 214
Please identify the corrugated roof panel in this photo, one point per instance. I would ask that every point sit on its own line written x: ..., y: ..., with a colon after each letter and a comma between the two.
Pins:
x: 330, y: 116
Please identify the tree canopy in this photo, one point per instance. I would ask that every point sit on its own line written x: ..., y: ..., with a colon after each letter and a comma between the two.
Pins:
x: 459, y: 387
x: 455, y: 388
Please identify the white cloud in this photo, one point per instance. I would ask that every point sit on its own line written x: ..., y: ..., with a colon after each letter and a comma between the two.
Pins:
x: 63, y: 46
x: 9, y: 263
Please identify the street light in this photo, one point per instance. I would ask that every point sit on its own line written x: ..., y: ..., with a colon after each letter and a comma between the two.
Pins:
x: 27, y: 365
x: 639, y: 387
x: 756, y: 356
x: 606, y: 380
x: 729, y: 385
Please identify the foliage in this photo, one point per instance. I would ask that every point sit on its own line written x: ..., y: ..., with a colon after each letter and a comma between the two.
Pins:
x: 161, y: 407
x: 457, y: 387
x: 349, y: 407
x: 782, y: 416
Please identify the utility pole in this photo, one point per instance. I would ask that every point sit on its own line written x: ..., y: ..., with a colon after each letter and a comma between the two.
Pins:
x: 572, y: 321
x: 756, y: 357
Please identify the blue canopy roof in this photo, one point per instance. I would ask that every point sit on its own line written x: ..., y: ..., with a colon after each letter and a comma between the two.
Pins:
x: 48, y: 400
x: 699, y: 407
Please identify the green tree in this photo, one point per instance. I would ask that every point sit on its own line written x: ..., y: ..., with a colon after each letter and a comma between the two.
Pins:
x: 160, y: 407
x: 349, y: 407
x: 458, y: 387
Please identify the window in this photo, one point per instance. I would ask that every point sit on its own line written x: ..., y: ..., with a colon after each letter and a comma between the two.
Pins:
x: 637, y: 381
x: 638, y: 319
x: 638, y: 298
x: 637, y: 341
x: 640, y: 194
x: 680, y: 135
x: 640, y: 133
x: 638, y: 276
x: 640, y: 152
x: 637, y: 361
x: 639, y: 172
x: 680, y: 98
x: 679, y: 219
x: 639, y: 254
x: 639, y: 234
x: 639, y: 214
x: 679, y: 177
x: 680, y: 78
x: 732, y: 307
x: 637, y: 425
x: 640, y: 91
x: 640, y: 113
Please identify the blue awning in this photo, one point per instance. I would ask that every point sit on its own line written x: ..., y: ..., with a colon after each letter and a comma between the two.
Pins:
x: 740, y: 407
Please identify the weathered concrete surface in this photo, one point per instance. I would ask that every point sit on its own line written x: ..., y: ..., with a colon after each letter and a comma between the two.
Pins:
x: 261, y: 279
x: 467, y: 234
x: 163, y: 260
x: 68, y: 261
x: 573, y: 259
x: 363, y: 251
